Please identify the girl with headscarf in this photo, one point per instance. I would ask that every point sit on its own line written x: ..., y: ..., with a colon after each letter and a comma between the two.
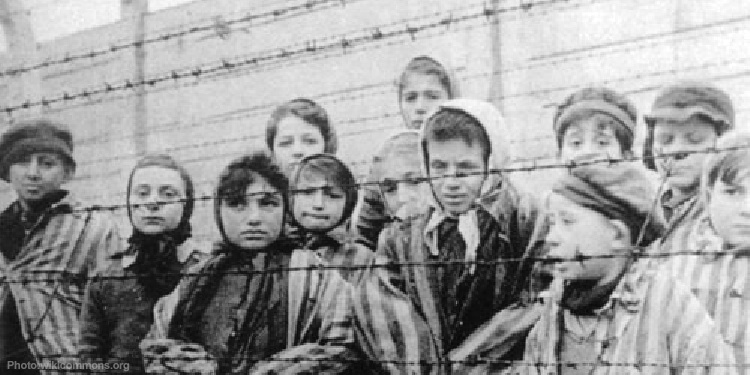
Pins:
x: 422, y: 86
x: 451, y: 265
x: 118, y: 305
x: 323, y: 196
x: 244, y: 310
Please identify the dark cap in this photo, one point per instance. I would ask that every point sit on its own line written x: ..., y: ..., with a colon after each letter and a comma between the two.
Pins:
x: 681, y: 101
x: 31, y: 137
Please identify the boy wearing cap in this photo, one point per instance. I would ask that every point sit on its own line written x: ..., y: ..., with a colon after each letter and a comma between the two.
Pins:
x: 607, y: 311
x: 595, y: 122
x: 447, y: 268
x: 49, y: 245
x: 686, y: 119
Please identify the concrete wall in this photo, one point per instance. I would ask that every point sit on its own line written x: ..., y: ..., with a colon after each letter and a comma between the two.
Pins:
x: 547, y: 49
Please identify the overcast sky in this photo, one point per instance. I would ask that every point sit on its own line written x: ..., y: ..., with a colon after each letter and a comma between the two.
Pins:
x: 55, y: 18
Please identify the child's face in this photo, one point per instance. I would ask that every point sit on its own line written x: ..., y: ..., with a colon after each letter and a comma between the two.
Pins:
x: 398, y: 183
x: 420, y: 96
x: 255, y: 220
x: 38, y: 175
x: 157, y: 184
x: 318, y: 204
x: 576, y: 231
x: 682, y: 172
x: 729, y: 211
x: 451, y: 158
x: 296, y: 139
x: 590, y: 137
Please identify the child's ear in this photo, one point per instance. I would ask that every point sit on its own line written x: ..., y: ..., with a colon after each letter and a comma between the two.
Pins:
x: 622, y: 236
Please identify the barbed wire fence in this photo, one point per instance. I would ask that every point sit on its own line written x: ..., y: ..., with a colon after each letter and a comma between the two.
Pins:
x: 459, y: 19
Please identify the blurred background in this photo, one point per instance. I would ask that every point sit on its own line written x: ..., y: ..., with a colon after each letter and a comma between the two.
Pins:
x: 198, y: 79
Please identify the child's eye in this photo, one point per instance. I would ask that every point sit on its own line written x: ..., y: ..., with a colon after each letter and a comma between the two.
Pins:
x: 695, y: 139
x: 731, y: 191
x: 410, y: 97
x: 665, y: 140
x: 169, y: 194
x: 438, y: 166
x: 236, y: 202
x: 269, y: 202
x: 575, y: 143
x: 305, y: 191
x: 310, y: 141
x: 388, y: 185
x: 285, y: 143
x: 604, y: 142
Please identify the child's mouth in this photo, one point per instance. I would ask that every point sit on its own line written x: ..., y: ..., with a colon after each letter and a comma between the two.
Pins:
x: 316, y: 216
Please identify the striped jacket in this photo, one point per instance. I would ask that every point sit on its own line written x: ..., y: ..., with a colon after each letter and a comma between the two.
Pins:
x: 651, y: 325
x: 396, y: 314
x: 721, y: 282
x: 47, y: 278
x: 319, y: 319
x: 680, y: 215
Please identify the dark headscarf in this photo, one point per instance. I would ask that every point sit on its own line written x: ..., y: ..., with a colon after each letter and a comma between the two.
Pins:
x: 200, y: 290
x: 331, y: 169
x: 156, y: 262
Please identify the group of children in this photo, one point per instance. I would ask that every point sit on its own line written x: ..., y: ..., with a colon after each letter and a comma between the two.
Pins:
x: 438, y: 263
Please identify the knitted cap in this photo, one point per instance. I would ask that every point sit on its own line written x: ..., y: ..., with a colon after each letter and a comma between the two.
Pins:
x: 31, y: 137
x: 619, y: 192
x: 684, y: 100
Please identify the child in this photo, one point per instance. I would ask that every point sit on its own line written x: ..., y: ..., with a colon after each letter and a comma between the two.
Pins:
x: 613, y: 313
x: 393, y: 183
x: 46, y: 235
x: 417, y: 313
x: 117, y: 309
x: 423, y: 85
x: 686, y: 117
x: 595, y: 122
x: 720, y: 277
x: 244, y: 307
x: 297, y: 129
x: 323, y: 197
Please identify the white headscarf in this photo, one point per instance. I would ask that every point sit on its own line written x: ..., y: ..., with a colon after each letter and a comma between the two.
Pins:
x: 493, y: 124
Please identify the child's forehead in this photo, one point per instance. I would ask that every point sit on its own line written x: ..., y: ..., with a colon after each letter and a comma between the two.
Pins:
x: 690, y: 125
x: 418, y: 80
x: 310, y: 176
x: 593, y: 123
x: 258, y: 185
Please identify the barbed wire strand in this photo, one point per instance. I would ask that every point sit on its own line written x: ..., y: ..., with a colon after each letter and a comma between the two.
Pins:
x: 493, y: 171
x: 250, y: 19
x: 369, y: 35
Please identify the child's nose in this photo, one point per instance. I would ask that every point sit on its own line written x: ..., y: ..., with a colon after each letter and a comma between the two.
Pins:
x: 32, y: 169
x: 318, y: 199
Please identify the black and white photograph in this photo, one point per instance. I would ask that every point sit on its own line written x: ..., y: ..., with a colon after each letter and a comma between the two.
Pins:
x: 438, y: 187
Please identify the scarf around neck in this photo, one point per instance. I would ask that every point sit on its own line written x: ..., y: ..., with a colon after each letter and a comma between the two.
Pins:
x: 156, y: 263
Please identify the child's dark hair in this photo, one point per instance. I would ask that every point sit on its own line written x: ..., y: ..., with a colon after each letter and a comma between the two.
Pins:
x: 729, y: 165
x: 450, y: 124
x: 240, y: 173
x: 624, y: 135
x: 427, y: 66
x: 334, y: 171
x: 311, y: 113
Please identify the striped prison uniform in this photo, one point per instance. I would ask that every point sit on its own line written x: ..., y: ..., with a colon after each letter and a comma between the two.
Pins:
x: 319, y: 333
x: 652, y: 324
x: 47, y: 278
x: 721, y: 282
x: 402, y: 320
